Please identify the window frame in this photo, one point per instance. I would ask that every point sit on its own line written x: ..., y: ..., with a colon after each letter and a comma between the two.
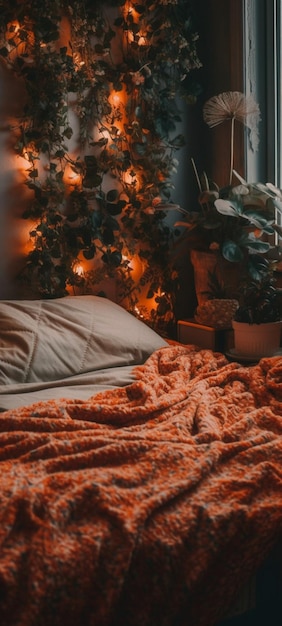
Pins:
x: 263, y: 78
x: 262, y: 69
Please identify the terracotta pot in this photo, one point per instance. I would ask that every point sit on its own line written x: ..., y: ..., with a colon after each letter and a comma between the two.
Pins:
x: 256, y: 340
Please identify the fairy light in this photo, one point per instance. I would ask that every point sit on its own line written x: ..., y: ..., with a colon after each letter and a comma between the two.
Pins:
x: 12, y: 29
x: 78, y: 269
x: 71, y: 177
x: 75, y: 179
x: 78, y: 61
x: 26, y: 240
x: 142, y: 40
x: 26, y: 155
x: 130, y: 10
x: 137, y: 267
x: 115, y: 99
x: 25, y: 162
x: 130, y: 178
x: 139, y: 313
x: 130, y: 36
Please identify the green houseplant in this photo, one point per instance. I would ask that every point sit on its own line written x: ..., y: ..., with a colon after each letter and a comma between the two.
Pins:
x: 238, y: 228
x: 257, y: 320
x: 230, y: 228
x: 232, y: 232
x: 91, y: 192
x: 235, y: 222
x: 235, y: 230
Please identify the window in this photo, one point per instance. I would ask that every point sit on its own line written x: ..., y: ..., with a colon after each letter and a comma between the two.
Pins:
x: 263, y: 78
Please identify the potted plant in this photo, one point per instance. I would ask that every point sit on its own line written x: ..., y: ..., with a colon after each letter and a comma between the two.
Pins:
x: 257, y: 321
x: 231, y: 234
x: 232, y: 229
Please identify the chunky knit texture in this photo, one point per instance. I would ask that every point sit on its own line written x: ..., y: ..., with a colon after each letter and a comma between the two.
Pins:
x: 147, y: 505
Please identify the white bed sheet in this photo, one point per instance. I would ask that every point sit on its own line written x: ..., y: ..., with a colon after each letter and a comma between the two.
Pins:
x: 82, y: 386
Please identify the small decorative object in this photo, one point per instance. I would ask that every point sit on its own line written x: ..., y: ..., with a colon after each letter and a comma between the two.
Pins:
x: 217, y: 312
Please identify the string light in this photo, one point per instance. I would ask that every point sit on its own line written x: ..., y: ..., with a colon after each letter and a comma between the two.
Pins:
x: 78, y: 269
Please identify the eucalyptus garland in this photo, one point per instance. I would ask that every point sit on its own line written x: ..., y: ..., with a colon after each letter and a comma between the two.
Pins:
x: 117, y: 67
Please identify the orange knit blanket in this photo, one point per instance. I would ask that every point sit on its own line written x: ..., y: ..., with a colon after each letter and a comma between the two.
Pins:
x: 147, y: 505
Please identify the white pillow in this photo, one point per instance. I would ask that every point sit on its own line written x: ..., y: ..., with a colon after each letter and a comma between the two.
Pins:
x: 43, y: 340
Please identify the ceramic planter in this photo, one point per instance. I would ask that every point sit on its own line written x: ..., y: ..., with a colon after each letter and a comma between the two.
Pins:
x: 256, y: 340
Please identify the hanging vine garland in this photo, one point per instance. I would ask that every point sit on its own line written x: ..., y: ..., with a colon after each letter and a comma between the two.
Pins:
x: 115, y: 68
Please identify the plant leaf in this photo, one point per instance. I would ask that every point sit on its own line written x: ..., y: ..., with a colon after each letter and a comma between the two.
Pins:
x: 226, y: 207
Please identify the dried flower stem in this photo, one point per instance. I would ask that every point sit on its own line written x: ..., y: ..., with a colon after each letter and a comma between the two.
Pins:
x: 232, y: 105
x: 197, y: 175
x: 231, y: 150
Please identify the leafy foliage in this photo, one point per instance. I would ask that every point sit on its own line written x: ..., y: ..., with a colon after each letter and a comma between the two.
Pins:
x: 260, y: 299
x: 235, y: 220
x: 119, y: 77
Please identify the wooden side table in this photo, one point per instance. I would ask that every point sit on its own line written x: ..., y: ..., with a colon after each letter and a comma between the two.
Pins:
x: 189, y: 331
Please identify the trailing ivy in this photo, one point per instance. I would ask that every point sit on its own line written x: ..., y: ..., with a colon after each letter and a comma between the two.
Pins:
x: 117, y: 67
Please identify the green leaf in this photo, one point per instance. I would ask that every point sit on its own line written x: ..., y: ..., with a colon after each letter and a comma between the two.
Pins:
x: 91, y: 180
x: 112, y: 223
x: 90, y: 252
x: 68, y: 132
x: 140, y: 148
x: 231, y: 251
x: 257, y: 246
x: 116, y: 258
x: 115, y: 208
x: 33, y: 174
x: 96, y: 219
x: 226, y: 207
x: 112, y: 195
x: 108, y: 236
x: 4, y: 52
x: 178, y: 142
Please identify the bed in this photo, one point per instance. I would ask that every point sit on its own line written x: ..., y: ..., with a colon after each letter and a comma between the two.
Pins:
x: 141, y: 479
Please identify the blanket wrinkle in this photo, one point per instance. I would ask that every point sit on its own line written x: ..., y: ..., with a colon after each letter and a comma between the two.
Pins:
x: 133, y: 506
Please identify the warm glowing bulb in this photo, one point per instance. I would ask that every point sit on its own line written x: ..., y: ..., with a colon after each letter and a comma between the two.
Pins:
x: 129, y: 8
x: 75, y: 178
x: 141, y: 41
x: 138, y: 313
x: 130, y: 178
x: 137, y: 267
x: 130, y: 36
x: 25, y: 163
x: 13, y: 29
x: 115, y: 99
x: 78, y: 269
